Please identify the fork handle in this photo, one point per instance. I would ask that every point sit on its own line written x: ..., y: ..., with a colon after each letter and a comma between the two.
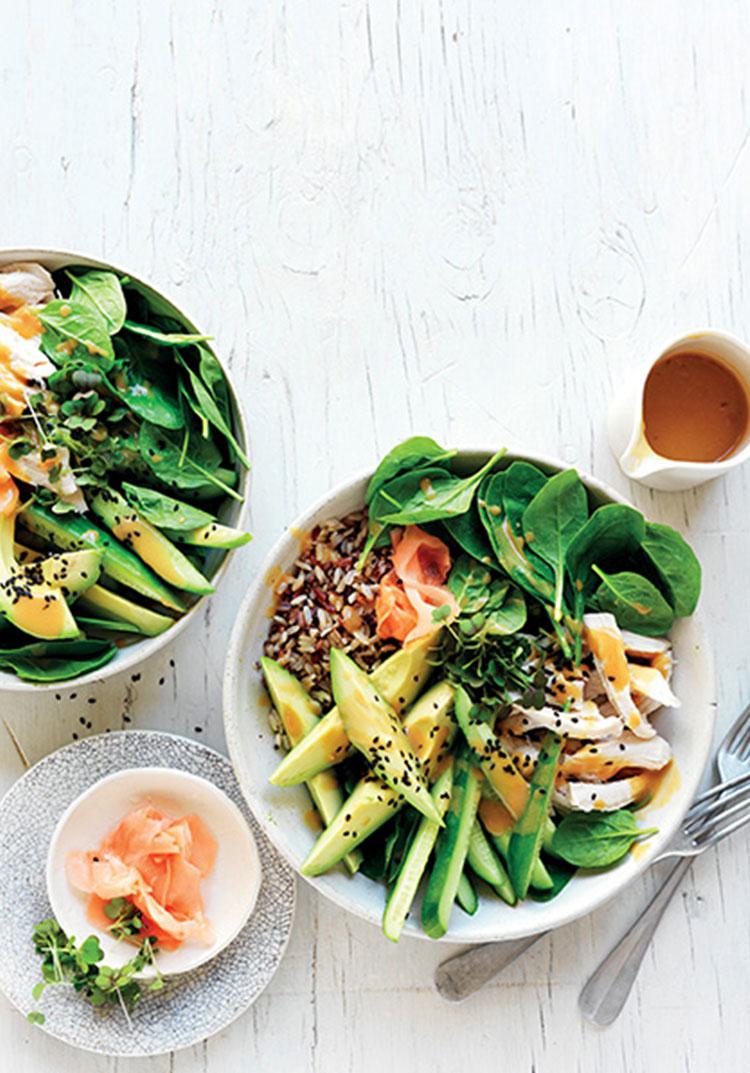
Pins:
x: 607, y: 989
x: 462, y: 975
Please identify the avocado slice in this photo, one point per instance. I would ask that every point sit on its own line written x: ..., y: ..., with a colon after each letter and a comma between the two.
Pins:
x: 299, y: 715
x: 110, y: 605
x: 452, y: 846
x: 28, y: 601
x: 528, y: 833
x: 73, y: 531
x: 374, y: 728
x: 149, y: 543
x: 399, y: 679
x: 372, y: 801
x: 211, y: 535
x: 70, y: 571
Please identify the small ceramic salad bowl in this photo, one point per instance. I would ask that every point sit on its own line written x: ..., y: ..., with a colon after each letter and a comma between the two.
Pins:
x: 283, y: 806
x: 228, y: 892
x: 123, y: 472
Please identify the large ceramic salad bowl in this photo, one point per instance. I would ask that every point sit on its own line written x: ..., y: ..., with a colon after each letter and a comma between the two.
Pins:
x: 282, y: 809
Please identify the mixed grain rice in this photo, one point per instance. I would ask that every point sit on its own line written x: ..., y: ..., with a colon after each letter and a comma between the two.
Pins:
x: 326, y: 602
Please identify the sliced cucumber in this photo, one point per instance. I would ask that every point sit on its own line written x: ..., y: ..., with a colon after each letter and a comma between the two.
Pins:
x: 374, y: 728
x: 452, y: 847
x: 526, y: 837
x: 399, y: 679
x: 540, y: 877
x: 412, y: 869
x: 299, y: 715
x: 486, y: 863
x: 466, y: 895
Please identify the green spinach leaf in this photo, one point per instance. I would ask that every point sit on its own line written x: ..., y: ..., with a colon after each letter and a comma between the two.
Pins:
x: 101, y: 292
x: 163, y: 511
x: 427, y: 495
x: 521, y: 483
x: 413, y: 453
x: 635, y: 602
x: 187, y: 462
x: 676, y: 565
x: 472, y: 584
x: 597, y: 840
x: 212, y: 375
x: 85, y: 326
x: 160, y: 338
x: 55, y: 661
x: 205, y: 406
x: 144, y: 386
x: 471, y: 536
x: 510, y: 551
x: 551, y: 521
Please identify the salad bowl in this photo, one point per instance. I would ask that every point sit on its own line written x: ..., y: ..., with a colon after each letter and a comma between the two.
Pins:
x: 132, y: 650
x: 281, y: 810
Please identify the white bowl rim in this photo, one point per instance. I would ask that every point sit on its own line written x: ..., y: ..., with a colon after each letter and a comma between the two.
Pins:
x: 258, y: 589
x: 197, y: 955
x: 139, y: 651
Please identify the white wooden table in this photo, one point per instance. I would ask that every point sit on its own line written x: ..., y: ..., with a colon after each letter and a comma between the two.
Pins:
x: 466, y: 219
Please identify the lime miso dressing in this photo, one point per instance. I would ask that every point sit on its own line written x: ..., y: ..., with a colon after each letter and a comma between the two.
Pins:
x: 695, y: 408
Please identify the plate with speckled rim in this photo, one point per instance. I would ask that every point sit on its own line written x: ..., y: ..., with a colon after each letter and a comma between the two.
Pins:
x: 191, y: 1006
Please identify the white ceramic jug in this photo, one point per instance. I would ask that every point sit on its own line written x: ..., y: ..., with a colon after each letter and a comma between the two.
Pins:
x: 625, y: 431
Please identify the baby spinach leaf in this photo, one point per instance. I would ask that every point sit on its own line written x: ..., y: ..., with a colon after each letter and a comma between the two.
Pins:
x: 213, y: 377
x: 162, y: 338
x: 613, y: 533
x: 144, y: 386
x: 427, y: 495
x: 521, y: 484
x: 205, y: 406
x: 411, y: 454
x: 83, y: 325
x: 551, y: 520
x: 100, y: 291
x: 186, y: 461
x: 676, y: 565
x: 597, y: 840
x: 55, y: 661
x: 471, y: 536
x: 163, y: 511
x: 510, y: 550
x: 635, y: 602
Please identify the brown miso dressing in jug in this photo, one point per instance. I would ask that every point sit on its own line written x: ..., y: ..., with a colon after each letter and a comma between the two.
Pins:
x: 695, y: 408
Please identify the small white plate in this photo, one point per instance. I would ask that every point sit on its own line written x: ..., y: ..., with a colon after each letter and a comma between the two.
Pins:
x: 192, y: 1006
x: 229, y: 892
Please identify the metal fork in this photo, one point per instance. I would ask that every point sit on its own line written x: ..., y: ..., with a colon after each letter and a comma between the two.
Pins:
x: 465, y: 973
x: 606, y: 991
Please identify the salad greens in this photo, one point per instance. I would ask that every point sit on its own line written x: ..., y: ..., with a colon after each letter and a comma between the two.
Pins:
x: 124, y: 400
x: 528, y: 759
x: 597, y: 840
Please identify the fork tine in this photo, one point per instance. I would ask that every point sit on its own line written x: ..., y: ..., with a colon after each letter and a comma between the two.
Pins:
x: 703, y: 828
x: 741, y: 814
x: 739, y: 730
x: 711, y: 809
x: 717, y: 791
x: 742, y: 749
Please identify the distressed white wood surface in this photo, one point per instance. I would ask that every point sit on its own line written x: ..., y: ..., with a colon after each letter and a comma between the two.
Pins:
x: 463, y: 218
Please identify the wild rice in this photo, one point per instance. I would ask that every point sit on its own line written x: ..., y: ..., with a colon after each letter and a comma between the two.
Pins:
x: 326, y: 602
